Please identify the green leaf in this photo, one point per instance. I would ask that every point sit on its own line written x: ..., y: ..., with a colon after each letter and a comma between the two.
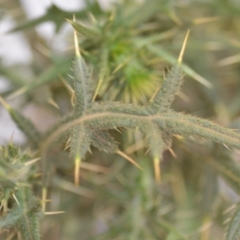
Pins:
x: 82, y: 86
x: 170, y: 87
x: 80, y: 141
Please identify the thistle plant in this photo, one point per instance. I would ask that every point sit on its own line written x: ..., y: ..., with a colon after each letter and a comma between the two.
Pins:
x: 20, y: 209
x: 116, y: 87
x: 89, y: 123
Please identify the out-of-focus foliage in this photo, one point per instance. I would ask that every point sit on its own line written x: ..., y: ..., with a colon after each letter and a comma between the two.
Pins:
x: 128, y: 50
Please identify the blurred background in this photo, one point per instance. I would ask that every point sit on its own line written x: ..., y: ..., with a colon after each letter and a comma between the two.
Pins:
x: 139, y: 41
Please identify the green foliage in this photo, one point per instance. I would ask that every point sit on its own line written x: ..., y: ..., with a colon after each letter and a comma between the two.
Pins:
x: 15, y: 173
x: 126, y: 108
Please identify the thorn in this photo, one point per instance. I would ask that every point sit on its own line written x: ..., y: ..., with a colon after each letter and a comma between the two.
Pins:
x: 72, y: 99
x: 54, y: 213
x: 15, y: 198
x: 32, y: 161
x: 77, y: 51
x: 135, y: 147
x: 77, y: 170
x: 153, y: 96
x: 230, y: 209
x: 66, y: 84
x: 91, y: 17
x: 183, y: 47
x: 226, y: 147
x: 43, y: 50
x: 172, y: 152
x: 44, y: 197
x: 70, y: 76
x: 53, y: 103
x: 67, y: 145
x: 175, y: 19
x: 157, y: 169
x: 122, y: 154
x: 226, y: 221
x: 17, y: 93
x: 5, y: 104
x: 118, y: 67
x: 118, y: 130
x: 94, y: 167
x: 146, y: 152
x: 205, y: 20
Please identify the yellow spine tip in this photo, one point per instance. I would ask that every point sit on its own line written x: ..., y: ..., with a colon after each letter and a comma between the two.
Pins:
x: 122, y: 154
x: 157, y: 170
x: 44, y: 197
x: 77, y: 171
x: 183, y: 47
x: 5, y: 104
x: 77, y: 51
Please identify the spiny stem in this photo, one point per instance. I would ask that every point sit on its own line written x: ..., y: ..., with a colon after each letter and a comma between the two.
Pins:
x: 77, y: 170
x: 157, y: 169
x: 183, y: 48
x: 122, y: 154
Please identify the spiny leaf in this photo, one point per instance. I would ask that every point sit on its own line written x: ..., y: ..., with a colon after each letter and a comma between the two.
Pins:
x: 28, y: 224
x: 155, y: 142
x: 82, y: 85
x: 85, y: 31
x: 233, y: 232
x: 80, y: 141
x: 171, y: 85
x: 103, y: 141
x: 80, y: 144
x: 23, y: 123
x: 24, y: 215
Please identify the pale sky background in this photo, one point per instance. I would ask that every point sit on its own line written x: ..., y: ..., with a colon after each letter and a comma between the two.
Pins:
x: 14, y: 49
